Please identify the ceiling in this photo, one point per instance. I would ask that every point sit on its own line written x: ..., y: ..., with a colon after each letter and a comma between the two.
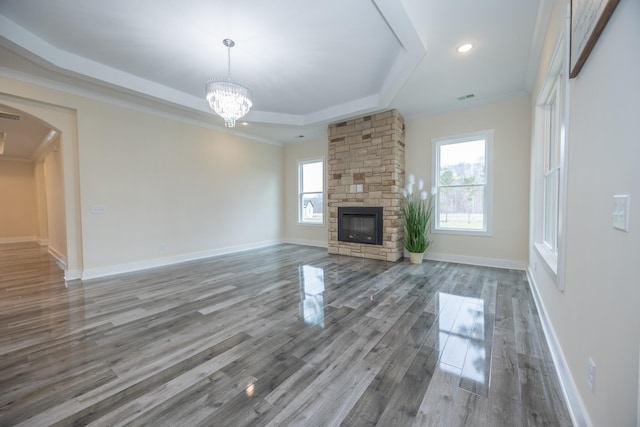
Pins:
x: 309, y: 63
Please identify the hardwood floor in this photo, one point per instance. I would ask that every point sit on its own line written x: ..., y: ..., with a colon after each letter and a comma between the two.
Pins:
x: 286, y: 335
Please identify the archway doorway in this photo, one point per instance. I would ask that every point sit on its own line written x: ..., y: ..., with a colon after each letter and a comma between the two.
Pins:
x: 56, y: 178
x: 31, y: 182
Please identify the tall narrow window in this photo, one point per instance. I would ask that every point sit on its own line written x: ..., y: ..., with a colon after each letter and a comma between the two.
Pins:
x: 462, y: 168
x: 549, y: 159
x: 311, y: 192
x: 551, y: 170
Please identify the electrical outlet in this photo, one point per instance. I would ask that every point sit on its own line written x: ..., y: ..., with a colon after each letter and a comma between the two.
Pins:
x: 591, y: 374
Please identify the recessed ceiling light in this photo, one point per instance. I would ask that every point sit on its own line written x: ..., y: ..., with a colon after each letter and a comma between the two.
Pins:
x: 465, y: 48
x: 244, y: 124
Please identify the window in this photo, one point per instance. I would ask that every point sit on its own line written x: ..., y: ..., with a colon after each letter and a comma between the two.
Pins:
x: 462, y: 177
x: 549, y: 164
x: 311, y: 192
x: 551, y: 170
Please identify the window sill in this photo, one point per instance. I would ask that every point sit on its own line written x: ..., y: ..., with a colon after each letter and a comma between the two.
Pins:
x: 311, y: 224
x: 477, y: 233
x: 550, y: 259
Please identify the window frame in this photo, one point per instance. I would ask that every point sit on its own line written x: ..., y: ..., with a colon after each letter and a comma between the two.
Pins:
x: 301, y: 194
x: 487, y: 136
x: 555, y: 90
x: 552, y: 166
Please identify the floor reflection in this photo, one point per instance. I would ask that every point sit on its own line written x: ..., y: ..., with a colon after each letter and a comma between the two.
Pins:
x: 311, y: 294
x: 39, y: 311
x: 461, y: 336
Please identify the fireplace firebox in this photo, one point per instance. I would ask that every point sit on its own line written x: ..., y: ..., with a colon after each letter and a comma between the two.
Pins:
x: 360, y: 225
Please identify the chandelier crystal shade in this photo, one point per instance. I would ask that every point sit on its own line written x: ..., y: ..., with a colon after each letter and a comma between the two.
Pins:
x: 228, y: 99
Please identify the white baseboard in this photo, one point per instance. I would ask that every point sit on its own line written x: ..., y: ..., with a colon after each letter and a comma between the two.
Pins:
x: 21, y: 239
x: 72, y: 275
x: 62, y: 260
x: 577, y: 409
x: 94, y: 273
x: 316, y: 243
x: 472, y: 260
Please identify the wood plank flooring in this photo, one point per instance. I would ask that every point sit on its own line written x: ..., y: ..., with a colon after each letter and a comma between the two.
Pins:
x: 282, y: 336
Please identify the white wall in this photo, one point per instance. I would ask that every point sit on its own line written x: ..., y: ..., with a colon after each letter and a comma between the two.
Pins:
x: 41, y: 203
x: 315, y: 235
x: 511, y: 120
x: 18, y: 210
x: 55, y: 213
x: 597, y: 315
x: 172, y: 190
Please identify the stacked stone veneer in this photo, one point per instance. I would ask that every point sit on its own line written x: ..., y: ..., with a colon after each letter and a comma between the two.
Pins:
x: 366, y: 168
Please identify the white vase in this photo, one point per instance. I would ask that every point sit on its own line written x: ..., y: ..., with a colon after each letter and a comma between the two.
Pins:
x: 416, y: 257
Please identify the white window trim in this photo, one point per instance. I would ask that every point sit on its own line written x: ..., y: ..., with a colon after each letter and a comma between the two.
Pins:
x: 487, y: 135
x: 557, y: 74
x: 552, y: 167
x: 324, y: 192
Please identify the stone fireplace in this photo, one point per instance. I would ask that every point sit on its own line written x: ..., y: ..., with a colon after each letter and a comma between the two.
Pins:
x: 366, y: 169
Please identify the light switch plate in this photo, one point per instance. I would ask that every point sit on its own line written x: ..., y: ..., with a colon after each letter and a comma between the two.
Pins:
x: 621, y: 212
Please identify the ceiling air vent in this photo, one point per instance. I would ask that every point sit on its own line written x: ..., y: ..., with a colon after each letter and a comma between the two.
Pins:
x: 463, y: 97
x: 9, y: 116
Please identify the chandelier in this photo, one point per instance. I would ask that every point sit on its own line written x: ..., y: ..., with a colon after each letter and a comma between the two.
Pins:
x: 228, y: 99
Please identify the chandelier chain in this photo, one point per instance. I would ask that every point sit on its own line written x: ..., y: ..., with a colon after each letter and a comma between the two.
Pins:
x: 228, y: 62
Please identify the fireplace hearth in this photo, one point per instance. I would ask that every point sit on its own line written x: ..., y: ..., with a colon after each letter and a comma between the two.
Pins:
x: 360, y: 225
